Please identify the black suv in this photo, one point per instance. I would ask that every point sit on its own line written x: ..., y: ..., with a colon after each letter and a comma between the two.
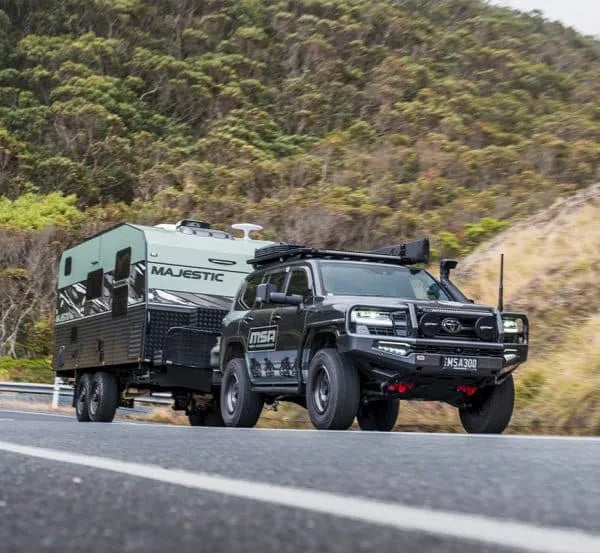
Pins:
x: 349, y: 334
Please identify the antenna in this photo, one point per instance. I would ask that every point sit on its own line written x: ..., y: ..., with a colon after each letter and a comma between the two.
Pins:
x: 501, y: 285
x: 246, y: 228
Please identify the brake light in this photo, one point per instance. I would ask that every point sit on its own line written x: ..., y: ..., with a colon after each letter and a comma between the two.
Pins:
x: 465, y: 389
x: 401, y: 387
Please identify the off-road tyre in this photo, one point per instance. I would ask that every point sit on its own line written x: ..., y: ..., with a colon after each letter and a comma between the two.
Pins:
x: 332, y: 391
x: 207, y: 417
x: 380, y: 415
x: 82, y: 394
x: 240, y: 406
x: 104, y: 397
x: 490, y: 409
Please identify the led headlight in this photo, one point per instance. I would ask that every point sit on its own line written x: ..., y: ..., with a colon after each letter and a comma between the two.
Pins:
x: 371, y: 317
x: 513, y: 326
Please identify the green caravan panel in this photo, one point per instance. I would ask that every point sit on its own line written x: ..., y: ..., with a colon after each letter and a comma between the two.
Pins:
x: 197, y: 264
x: 99, y: 252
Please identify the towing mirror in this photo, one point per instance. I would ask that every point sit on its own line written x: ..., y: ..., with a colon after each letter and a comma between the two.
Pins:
x: 264, y: 292
x: 287, y: 299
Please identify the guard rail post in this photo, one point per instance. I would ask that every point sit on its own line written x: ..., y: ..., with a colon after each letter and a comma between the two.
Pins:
x: 56, y: 392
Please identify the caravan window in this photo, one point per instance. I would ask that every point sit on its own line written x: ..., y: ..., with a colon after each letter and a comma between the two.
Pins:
x: 94, y: 284
x: 68, y: 265
x: 122, y: 264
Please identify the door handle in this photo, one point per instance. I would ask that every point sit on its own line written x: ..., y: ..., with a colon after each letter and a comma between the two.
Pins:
x: 276, y: 318
x: 248, y: 318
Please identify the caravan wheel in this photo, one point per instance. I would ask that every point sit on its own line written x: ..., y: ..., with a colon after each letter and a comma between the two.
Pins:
x: 104, y: 397
x: 82, y: 395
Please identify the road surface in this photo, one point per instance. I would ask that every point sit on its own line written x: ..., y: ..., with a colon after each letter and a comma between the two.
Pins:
x: 134, y: 487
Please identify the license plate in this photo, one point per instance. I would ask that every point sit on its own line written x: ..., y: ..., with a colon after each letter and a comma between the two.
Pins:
x: 460, y: 363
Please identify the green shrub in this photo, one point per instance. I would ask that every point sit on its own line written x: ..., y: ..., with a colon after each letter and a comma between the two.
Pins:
x: 26, y: 370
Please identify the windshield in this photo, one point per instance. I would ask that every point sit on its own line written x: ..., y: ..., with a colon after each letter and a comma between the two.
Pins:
x: 389, y: 281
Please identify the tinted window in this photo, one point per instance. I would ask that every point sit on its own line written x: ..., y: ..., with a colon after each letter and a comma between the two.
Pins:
x: 94, y: 285
x: 299, y: 283
x: 249, y: 295
x: 389, y: 281
x: 277, y: 279
x: 68, y: 265
x: 122, y: 263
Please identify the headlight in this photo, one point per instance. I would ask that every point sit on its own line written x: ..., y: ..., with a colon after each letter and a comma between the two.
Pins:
x: 513, y: 326
x: 371, y: 317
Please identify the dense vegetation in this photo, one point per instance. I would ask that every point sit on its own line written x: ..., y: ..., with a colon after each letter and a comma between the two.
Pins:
x: 345, y: 123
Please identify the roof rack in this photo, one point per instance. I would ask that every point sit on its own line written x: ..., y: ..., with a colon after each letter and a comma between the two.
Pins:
x: 401, y: 254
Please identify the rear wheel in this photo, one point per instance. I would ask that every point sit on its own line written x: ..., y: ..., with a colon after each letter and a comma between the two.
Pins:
x: 332, y: 391
x: 82, y: 395
x: 104, y: 397
x: 240, y: 406
x: 380, y: 415
x: 490, y: 410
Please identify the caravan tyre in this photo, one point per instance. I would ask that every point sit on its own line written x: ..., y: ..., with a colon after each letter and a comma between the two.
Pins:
x: 82, y: 394
x: 104, y: 397
x: 240, y: 406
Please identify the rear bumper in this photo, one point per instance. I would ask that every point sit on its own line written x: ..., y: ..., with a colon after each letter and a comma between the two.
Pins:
x: 425, y: 358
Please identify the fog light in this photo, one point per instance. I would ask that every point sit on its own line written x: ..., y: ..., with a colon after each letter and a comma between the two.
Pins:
x: 393, y: 348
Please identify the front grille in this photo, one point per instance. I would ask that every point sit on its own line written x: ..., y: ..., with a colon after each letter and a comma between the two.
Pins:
x: 466, y: 351
x: 431, y: 325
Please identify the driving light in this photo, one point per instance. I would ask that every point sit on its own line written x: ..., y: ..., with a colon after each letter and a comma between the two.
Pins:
x: 513, y: 326
x: 393, y: 347
x: 371, y: 317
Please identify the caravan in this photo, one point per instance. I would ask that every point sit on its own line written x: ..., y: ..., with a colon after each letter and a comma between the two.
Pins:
x: 139, y: 309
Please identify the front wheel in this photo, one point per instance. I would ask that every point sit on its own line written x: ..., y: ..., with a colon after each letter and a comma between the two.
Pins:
x: 490, y: 410
x: 240, y: 406
x: 380, y: 415
x: 332, y: 391
x: 104, y: 397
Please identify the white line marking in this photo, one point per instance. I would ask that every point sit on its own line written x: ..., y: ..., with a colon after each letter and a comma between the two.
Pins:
x: 462, y: 526
x: 41, y: 413
x: 6, y: 420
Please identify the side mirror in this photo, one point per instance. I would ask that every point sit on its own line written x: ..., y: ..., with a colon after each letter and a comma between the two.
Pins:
x: 264, y: 292
x: 287, y: 299
x: 446, y: 265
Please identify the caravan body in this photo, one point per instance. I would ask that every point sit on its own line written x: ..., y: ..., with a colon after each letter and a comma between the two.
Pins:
x: 147, y: 302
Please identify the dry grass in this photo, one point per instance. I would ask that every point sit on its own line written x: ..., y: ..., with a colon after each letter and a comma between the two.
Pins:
x: 552, y: 269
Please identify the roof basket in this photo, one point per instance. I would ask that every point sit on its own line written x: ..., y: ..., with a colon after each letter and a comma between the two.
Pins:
x: 401, y: 254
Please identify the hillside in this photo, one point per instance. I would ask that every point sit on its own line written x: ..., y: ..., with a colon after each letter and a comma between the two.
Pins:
x: 343, y: 123
x: 552, y: 274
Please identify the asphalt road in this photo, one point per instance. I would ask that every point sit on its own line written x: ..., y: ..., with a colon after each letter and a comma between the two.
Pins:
x: 129, y: 487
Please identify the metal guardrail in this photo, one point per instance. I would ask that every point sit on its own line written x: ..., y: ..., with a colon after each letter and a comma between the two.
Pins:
x: 58, y: 390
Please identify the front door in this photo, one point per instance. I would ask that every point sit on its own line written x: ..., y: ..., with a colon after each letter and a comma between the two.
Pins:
x: 290, y: 320
x: 262, y: 335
